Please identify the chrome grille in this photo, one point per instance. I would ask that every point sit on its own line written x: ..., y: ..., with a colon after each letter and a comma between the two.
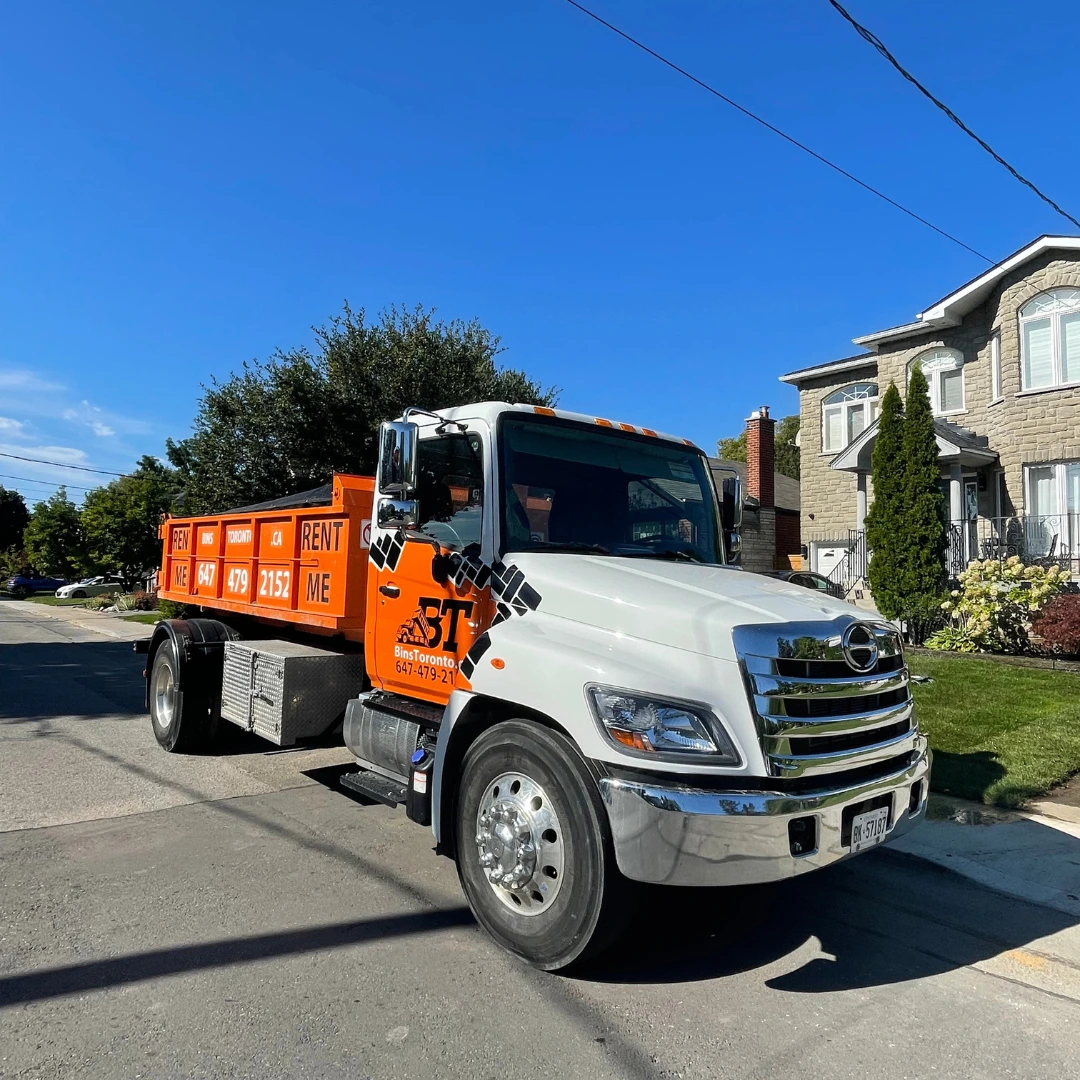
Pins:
x: 817, y: 710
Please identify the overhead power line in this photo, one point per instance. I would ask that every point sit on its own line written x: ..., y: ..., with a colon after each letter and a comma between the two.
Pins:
x: 62, y: 465
x: 43, y: 483
x: 873, y: 39
x: 775, y: 130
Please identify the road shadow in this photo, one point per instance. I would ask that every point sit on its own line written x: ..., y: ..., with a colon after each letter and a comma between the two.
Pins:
x: 65, y: 678
x: 883, y: 918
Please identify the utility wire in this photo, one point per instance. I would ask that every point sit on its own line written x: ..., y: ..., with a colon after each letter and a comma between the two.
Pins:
x: 43, y: 483
x: 62, y: 465
x: 873, y: 39
x: 775, y: 130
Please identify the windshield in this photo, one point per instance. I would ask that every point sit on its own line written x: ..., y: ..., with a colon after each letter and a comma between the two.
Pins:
x: 568, y: 487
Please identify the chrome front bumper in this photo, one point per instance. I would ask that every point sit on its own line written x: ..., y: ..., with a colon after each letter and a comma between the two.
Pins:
x: 689, y: 836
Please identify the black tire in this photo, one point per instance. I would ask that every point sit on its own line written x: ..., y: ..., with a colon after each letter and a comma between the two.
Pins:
x: 20, y: 592
x: 594, y: 902
x: 78, y: 595
x: 179, y: 713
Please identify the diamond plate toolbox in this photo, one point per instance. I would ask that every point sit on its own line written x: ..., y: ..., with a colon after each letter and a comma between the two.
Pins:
x: 285, y: 691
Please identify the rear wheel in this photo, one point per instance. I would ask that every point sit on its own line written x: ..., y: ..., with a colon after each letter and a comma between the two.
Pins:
x: 20, y: 592
x: 534, y: 851
x: 179, y: 713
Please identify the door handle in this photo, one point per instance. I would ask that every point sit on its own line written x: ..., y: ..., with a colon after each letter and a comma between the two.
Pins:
x: 390, y: 590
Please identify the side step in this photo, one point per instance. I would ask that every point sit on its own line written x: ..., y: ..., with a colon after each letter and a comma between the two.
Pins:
x: 373, y: 786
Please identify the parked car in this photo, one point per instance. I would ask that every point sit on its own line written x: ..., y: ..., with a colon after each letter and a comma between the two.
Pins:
x: 810, y: 580
x: 22, y: 585
x: 91, y: 586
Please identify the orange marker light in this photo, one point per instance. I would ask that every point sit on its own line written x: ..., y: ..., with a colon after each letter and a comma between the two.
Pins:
x: 543, y: 411
x: 603, y: 423
x: 648, y: 431
x: 498, y: 663
x: 627, y: 427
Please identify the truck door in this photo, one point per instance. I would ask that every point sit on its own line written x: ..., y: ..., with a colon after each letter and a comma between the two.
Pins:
x: 420, y: 624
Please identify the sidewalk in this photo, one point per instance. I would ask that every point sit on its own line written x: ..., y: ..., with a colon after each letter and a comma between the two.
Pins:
x: 1031, y: 854
x: 112, y: 625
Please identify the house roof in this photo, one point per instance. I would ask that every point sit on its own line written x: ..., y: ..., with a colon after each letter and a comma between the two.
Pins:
x: 948, y: 311
x: 955, y: 444
x: 786, y: 491
x: 848, y: 363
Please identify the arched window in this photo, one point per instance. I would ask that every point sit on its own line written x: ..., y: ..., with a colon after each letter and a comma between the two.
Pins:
x: 944, y: 371
x: 847, y: 412
x: 1050, y: 339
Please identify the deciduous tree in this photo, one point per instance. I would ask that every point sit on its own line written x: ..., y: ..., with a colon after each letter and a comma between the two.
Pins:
x: 54, y: 538
x: 120, y: 520
x: 14, y: 517
x: 787, y: 458
x: 286, y: 424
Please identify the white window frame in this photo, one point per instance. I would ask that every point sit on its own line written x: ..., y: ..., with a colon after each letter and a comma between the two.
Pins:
x: 996, y: 392
x: 1066, y: 517
x: 935, y: 363
x: 1057, y: 357
x: 867, y: 404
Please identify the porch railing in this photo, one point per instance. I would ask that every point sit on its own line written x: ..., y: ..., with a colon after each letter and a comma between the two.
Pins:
x: 1044, y: 539
x: 851, y: 568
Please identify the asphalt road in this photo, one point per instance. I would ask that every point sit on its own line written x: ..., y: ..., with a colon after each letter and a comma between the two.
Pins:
x: 234, y: 916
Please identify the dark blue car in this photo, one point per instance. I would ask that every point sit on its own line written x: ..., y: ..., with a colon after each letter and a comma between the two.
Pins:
x: 24, y: 584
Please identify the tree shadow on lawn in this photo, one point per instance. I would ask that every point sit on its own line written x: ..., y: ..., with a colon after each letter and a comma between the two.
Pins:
x: 975, y: 775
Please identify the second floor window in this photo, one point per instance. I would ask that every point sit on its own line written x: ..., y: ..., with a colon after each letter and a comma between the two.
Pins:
x: 944, y: 371
x: 1050, y: 339
x: 846, y: 413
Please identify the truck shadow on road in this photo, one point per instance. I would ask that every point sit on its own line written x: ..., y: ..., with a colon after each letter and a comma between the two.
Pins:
x: 884, y: 918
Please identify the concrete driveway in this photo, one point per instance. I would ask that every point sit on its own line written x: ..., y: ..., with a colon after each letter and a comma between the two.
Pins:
x: 235, y: 916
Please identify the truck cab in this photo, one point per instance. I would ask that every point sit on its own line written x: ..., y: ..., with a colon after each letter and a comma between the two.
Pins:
x: 564, y: 675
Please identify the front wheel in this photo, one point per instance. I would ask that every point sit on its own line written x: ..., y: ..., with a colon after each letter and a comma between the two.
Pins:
x: 78, y: 595
x: 534, y: 850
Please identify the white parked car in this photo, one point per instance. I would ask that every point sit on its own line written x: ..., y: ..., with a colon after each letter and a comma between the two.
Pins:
x: 91, y: 586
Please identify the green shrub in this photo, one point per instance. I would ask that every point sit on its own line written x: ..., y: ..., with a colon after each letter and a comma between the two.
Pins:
x: 170, y: 609
x: 950, y: 639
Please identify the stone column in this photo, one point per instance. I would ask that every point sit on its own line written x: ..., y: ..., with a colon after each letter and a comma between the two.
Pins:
x: 956, y: 493
x: 860, y: 502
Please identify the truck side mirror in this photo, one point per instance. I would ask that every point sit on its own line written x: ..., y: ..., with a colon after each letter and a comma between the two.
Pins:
x: 397, y: 458
x: 397, y: 513
x: 731, y: 502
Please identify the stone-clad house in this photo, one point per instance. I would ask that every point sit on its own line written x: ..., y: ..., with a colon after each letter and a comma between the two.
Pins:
x: 1002, y: 357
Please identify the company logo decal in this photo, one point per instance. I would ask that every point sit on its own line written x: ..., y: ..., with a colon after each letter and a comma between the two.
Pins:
x: 388, y: 550
x: 435, y: 623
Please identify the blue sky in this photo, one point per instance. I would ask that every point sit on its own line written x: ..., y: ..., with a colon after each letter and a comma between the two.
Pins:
x: 183, y: 189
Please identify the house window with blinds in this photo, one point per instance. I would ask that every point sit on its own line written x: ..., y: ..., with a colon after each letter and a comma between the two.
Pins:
x: 846, y: 413
x: 944, y: 371
x: 1050, y: 340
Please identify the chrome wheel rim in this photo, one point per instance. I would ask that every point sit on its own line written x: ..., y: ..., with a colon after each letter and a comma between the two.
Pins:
x: 519, y: 843
x: 164, y: 696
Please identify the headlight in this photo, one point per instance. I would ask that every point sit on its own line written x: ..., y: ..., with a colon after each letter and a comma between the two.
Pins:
x: 660, y: 726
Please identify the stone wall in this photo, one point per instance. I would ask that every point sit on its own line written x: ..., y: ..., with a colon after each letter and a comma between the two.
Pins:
x: 1024, y: 427
x: 828, y: 496
x: 759, y: 540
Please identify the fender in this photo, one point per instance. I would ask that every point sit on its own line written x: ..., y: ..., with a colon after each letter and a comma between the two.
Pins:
x: 200, y: 650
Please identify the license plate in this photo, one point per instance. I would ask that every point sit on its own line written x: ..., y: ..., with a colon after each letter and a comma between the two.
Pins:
x: 869, y: 829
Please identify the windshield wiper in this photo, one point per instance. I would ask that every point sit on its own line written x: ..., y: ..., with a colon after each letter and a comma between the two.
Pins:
x: 666, y: 553
x: 568, y: 545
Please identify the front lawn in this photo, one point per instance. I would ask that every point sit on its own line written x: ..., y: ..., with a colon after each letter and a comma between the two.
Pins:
x: 148, y: 617
x: 1000, y: 733
x: 53, y: 601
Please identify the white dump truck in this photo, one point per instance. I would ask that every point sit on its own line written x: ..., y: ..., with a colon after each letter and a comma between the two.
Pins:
x: 532, y: 638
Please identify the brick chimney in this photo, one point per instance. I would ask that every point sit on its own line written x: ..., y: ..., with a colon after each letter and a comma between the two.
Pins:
x: 760, y: 456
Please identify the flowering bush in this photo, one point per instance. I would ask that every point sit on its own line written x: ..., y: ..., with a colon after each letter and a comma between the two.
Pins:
x: 1057, y: 626
x: 993, y: 609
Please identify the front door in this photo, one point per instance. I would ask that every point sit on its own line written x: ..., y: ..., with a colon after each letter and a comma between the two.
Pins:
x: 971, y: 519
x: 420, y: 623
